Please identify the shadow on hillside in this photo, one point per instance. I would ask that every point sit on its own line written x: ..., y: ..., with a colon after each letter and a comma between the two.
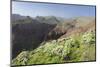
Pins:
x: 28, y: 36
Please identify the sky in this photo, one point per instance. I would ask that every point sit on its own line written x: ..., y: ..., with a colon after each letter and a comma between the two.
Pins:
x: 34, y: 9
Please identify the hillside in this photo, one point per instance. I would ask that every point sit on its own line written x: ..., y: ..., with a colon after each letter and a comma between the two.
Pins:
x: 71, y: 49
x: 42, y: 40
x: 72, y: 26
x: 49, y: 19
x: 16, y: 17
x: 27, y: 34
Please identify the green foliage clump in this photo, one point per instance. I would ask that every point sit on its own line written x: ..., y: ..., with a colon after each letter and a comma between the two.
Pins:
x: 70, y: 49
x: 88, y: 38
x: 21, y: 59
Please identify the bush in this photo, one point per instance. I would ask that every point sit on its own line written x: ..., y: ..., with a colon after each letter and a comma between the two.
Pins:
x: 88, y: 38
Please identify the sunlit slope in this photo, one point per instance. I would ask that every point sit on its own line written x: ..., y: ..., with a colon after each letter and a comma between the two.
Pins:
x: 70, y: 49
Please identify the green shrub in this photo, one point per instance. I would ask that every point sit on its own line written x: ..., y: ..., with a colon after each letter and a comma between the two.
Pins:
x: 88, y: 38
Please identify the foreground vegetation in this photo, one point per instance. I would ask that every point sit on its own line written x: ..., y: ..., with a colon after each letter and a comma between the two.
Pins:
x: 70, y: 49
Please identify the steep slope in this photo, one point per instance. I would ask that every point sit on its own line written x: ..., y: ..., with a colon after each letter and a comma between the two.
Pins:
x: 38, y: 39
x: 28, y: 35
x: 70, y: 49
x: 72, y: 27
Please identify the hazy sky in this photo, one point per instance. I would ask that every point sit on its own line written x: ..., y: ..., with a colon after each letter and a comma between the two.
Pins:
x: 59, y: 10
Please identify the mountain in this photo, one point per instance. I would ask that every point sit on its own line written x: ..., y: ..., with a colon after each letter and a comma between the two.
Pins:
x: 72, y: 26
x: 49, y: 19
x: 16, y: 17
x: 29, y: 34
